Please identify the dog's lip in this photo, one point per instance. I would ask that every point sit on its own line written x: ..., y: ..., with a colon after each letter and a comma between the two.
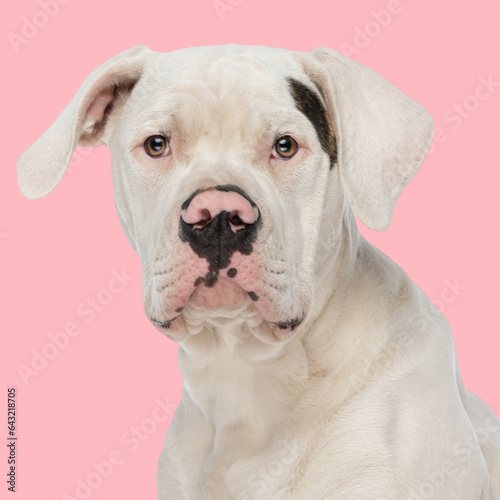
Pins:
x: 285, y: 325
x: 282, y: 325
x: 164, y: 324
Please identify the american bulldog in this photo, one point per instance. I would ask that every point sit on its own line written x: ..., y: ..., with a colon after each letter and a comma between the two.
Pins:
x: 313, y: 367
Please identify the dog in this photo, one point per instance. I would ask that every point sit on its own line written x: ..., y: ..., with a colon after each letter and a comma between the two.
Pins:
x: 313, y: 367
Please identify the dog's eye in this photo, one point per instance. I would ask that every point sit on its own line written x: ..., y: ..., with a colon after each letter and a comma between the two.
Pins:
x: 286, y: 146
x: 156, y: 146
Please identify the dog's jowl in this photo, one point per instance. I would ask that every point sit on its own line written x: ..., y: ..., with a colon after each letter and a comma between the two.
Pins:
x: 313, y: 367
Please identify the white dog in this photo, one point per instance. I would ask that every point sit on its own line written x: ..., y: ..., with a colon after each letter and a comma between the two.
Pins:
x: 313, y: 367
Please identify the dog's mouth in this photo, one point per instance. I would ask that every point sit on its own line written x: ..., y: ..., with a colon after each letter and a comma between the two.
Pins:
x: 214, y: 299
x: 224, y: 301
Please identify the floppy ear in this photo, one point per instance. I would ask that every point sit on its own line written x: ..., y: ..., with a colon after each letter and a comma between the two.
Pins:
x: 382, y: 135
x: 83, y: 121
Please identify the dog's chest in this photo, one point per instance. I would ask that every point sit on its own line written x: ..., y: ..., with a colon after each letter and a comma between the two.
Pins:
x: 294, y: 466
x: 267, y: 475
x: 256, y: 430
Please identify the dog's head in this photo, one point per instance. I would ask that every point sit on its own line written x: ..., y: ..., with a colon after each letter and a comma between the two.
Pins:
x: 224, y: 159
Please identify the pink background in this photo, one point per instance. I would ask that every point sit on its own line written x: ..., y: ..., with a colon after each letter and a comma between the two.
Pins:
x: 57, y: 252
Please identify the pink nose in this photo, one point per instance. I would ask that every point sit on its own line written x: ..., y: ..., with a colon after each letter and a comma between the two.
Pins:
x: 206, y: 205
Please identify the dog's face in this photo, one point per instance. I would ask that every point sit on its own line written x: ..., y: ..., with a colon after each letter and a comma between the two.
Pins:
x: 224, y: 159
x: 220, y: 180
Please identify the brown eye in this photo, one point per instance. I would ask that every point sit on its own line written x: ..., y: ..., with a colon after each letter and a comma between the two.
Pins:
x: 286, y: 146
x: 155, y: 146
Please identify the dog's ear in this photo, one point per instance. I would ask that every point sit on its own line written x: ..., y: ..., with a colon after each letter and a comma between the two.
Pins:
x: 382, y: 135
x: 83, y: 121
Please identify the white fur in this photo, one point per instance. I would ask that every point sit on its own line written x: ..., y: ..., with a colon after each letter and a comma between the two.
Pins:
x: 364, y: 399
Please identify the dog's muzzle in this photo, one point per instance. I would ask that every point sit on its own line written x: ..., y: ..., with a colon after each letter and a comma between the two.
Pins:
x: 218, y: 222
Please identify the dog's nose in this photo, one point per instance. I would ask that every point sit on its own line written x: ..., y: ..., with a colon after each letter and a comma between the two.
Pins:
x: 217, y: 222
x: 204, y: 207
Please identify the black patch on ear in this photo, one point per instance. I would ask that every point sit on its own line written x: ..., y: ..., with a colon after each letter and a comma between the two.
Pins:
x: 309, y: 103
x: 253, y: 296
